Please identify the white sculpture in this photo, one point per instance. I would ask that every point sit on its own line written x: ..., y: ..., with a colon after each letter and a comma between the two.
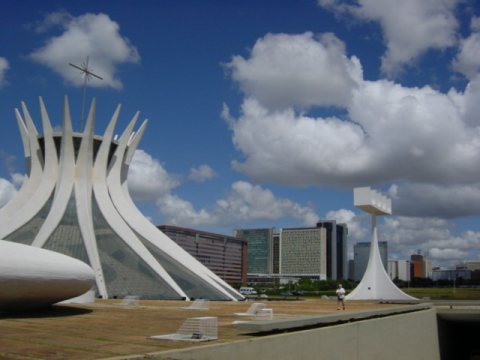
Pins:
x: 32, y: 277
x: 375, y: 284
x: 75, y: 200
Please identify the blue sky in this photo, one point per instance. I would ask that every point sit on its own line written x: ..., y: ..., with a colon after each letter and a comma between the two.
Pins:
x: 269, y: 113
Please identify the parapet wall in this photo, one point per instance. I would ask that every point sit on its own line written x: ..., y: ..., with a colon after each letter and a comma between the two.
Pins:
x: 410, y: 335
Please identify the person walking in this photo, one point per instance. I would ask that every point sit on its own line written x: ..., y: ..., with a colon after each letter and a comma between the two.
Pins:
x: 340, y: 297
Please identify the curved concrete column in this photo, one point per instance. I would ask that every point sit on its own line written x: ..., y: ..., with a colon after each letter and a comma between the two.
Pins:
x: 83, y: 196
x: 34, y: 159
x: 126, y: 207
x: 110, y: 213
x: 64, y: 186
x: 26, y: 210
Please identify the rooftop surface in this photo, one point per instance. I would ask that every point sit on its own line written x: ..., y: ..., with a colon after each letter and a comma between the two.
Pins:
x: 108, y: 329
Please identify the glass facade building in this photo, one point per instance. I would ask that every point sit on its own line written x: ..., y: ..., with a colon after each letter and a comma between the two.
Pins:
x: 318, y: 252
x: 260, y: 249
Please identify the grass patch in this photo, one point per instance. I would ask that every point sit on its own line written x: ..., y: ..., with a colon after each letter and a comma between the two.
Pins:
x: 445, y: 293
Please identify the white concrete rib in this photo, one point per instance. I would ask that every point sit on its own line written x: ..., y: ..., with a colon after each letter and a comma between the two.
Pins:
x: 63, y: 190
x: 13, y: 205
x: 83, y: 200
x: 39, y: 184
x: 126, y: 207
x: 110, y: 213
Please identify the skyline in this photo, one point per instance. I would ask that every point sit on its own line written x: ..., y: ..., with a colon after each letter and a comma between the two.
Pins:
x: 267, y: 115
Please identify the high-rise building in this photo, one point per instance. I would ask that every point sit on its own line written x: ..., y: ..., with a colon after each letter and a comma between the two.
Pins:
x: 260, y: 249
x: 351, y: 268
x: 276, y: 253
x: 428, y: 267
x: 417, y: 266
x: 225, y: 255
x: 420, y: 266
x: 324, y: 253
x: 361, y: 253
x: 474, y: 267
x: 470, y: 265
x: 337, y: 262
x: 303, y: 252
x: 399, y: 269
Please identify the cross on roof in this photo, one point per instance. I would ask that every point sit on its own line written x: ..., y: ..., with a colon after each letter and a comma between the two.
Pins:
x: 87, y: 75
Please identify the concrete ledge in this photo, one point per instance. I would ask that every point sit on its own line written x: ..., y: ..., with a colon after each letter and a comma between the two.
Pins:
x: 459, y: 315
x: 412, y: 334
x: 322, y: 320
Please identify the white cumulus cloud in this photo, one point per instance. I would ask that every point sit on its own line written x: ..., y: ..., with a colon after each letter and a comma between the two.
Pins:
x: 18, y: 179
x: 429, y: 200
x: 178, y: 211
x: 394, y: 132
x: 93, y: 35
x: 247, y: 201
x: 410, y: 27
x: 447, y: 254
x: 357, y: 231
x: 467, y: 60
x: 147, y: 178
x: 297, y: 70
x: 244, y: 202
x: 389, y: 133
x: 4, y: 66
x: 7, y: 191
x: 56, y: 19
x: 284, y: 147
x: 435, y: 239
x: 202, y: 173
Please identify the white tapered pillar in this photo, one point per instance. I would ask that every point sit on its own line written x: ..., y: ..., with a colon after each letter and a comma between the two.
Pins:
x: 376, y: 283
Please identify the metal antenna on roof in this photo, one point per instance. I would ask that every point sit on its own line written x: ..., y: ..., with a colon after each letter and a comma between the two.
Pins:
x: 87, y: 75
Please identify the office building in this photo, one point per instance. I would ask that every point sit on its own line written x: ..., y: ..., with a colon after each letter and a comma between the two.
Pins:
x: 260, y: 249
x: 337, y: 262
x: 420, y: 267
x: 303, y: 252
x: 351, y: 268
x: 276, y: 253
x: 428, y: 267
x: 399, y: 269
x: 225, y: 255
x: 472, y: 265
x: 451, y: 274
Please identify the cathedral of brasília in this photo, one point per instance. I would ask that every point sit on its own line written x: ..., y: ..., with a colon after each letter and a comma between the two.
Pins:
x: 75, y: 201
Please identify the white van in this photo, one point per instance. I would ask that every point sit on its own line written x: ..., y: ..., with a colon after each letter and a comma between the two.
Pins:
x: 247, y: 291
